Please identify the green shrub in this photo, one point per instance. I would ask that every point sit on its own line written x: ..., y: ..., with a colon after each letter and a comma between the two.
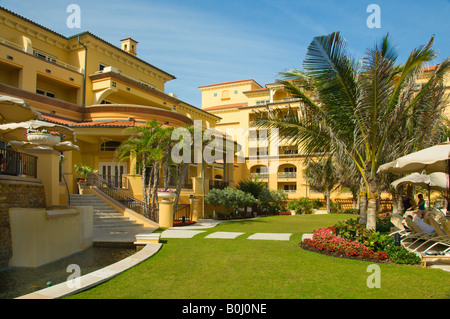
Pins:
x: 378, y: 242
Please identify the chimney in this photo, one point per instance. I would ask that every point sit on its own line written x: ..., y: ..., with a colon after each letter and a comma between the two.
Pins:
x: 129, y: 45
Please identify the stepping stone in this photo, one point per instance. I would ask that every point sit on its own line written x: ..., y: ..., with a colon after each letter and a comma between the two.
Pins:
x: 307, y: 236
x: 180, y: 233
x: 270, y: 236
x: 224, y: 235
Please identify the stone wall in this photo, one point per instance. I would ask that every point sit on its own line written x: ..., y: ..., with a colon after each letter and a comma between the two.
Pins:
x: 16, y: 193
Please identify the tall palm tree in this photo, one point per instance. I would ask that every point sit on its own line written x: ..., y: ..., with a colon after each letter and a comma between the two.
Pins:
x: 321, y: 177
x: 356, y: 108
x: 144, y: 146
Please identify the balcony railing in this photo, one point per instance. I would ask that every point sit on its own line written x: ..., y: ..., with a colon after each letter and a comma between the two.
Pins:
x: 287, y: 174
x: 41, y: 55
x: 218, y: 184
x: 16, y: 163
x: 259, y: 175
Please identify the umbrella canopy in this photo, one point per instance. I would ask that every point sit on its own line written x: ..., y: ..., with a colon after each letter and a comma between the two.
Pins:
x: 16, y: 110
x: 436, y: 181
x: 17, y: 131
x: 62, y: 146
x: 431, y: 160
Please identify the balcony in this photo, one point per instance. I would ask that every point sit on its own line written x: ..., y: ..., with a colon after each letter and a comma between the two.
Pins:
x: 41, y: 55
x: 16, y: 163
x: 259, y: 175
x: 284, y: 175
x: 218, y: 184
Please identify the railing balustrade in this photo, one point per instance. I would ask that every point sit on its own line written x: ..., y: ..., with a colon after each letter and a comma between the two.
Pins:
x: 218, y: 184
x: 183, y: 210
x: 287, y: 174
x: 16, y: 163
x: 117, y: 194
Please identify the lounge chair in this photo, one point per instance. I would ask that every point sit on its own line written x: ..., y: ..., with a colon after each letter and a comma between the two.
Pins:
x: 416, y: 236
x: 396, y: 220
x: 440, y: 238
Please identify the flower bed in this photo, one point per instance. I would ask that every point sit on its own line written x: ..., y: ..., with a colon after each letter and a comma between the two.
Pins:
x: 325, y: 240
x: 181, y: 223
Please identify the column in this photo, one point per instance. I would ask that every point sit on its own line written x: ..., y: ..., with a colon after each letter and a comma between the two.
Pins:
x: 48, y: 172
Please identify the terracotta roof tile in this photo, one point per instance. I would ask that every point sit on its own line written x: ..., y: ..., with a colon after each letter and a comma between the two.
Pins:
x: 228, y: 106
x: 107, y: 123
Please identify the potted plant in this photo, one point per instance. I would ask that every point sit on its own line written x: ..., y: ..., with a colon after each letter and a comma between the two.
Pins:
x: 44, y: 137
x: 83, y: 171
x: 166, y: 194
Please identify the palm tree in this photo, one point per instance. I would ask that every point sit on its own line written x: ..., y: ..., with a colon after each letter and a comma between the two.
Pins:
x: 321, y: 177
x: 356, y: 108
x: 144, y: 145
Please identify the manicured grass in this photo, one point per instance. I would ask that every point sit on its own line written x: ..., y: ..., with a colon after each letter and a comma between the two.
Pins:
x: 252, y: 269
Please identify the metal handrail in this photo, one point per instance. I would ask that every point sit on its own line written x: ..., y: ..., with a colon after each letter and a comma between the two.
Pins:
x: 118, y: 195
x: 16, y: 163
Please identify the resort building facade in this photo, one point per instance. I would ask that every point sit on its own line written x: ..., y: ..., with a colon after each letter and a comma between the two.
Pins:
x: 280, y: 165
x: 96, y: 90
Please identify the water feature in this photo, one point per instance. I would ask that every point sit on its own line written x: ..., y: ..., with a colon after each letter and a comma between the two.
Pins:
x: 18, y: 281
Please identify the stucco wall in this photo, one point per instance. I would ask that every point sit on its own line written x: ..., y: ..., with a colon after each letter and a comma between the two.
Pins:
x: 15, y: 194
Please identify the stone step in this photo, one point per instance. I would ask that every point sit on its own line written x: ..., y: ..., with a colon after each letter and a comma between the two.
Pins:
x: 117, y: 226
x: 105, y: 217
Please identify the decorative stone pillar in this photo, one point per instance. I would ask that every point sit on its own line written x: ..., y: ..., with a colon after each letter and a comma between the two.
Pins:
x: 194, y: 208
x: 166, y: 209
x: 48, y: 172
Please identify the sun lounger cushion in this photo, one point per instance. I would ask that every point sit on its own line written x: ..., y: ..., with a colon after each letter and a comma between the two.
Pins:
x: 424, y: 227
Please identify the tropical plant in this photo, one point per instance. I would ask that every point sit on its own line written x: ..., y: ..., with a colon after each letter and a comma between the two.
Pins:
x: 83, y: 170
x: 301, y: 206
x: 321, y: 177
x: 272, y: 199
x: 147, y: 145
x: 355, y: 109
x: 229, y: 198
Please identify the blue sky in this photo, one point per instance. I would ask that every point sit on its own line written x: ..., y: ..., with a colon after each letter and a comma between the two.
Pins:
x: 209, y: 41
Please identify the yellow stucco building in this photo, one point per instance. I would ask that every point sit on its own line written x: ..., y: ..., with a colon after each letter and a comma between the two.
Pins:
x: 235, y: 102
x: 98, y: 90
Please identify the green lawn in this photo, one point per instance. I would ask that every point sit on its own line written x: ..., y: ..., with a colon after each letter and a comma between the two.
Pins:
x: 200, y: 268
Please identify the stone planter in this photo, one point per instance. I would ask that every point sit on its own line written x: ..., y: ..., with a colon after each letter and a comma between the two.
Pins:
x: 43, y: 139
x: 166, y: 195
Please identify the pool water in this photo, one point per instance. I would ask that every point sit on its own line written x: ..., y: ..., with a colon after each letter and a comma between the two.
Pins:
x: 19, y: 281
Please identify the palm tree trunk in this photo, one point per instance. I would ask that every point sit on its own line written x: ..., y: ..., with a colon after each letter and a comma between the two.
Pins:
x: 145, y: 210
x: 154, y: 189
x: 181, y: 177
x: 362, y: 208
x: 327, y: 198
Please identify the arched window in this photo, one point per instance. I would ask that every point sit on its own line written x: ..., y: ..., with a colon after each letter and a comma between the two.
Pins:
x: 225, y: 95
x: 109, y: 146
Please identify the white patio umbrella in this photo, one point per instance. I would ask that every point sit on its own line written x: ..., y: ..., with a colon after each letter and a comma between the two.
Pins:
x: 16, y: 110
x: 432, y: 159
x: 436, y: 181
x: 17, y: 131
x: 62, y: 146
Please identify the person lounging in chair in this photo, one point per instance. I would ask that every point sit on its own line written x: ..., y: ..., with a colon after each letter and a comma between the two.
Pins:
x: 421, y: 207
x: 424, y: 227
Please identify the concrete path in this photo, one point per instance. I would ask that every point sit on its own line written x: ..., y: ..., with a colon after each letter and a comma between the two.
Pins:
x: 224, y: 235
x: 270, y: 236
x: 170, y: 233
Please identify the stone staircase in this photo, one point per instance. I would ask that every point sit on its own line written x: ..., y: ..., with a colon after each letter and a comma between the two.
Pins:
x: 105, y: 217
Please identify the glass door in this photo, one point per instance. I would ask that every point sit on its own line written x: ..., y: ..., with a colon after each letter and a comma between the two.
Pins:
x: 112, y: 172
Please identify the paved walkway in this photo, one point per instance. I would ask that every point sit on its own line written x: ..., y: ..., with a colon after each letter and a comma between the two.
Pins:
x: 192, y: 230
